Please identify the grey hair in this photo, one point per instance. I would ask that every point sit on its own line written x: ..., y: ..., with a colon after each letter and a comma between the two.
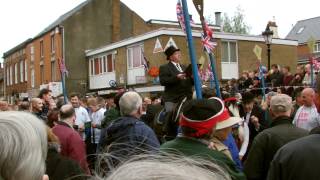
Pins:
x: 129, y: 103
x: 168, y: 167
x: 23, y: 151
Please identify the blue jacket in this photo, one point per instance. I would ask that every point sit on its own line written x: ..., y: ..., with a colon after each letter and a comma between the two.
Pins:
x: 127, y: 136
x: 232, y: 146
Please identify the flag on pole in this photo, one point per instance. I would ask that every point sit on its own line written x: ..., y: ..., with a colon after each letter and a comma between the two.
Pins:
x: 145, y: 62
x: 62, y: 67
x: 181, y: 18
x: 207, y: 43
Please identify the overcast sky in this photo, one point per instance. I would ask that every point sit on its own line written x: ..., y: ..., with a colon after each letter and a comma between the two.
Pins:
x: 23, y: 19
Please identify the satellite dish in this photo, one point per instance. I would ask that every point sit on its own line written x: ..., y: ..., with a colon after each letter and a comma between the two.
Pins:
x: 113, y: 83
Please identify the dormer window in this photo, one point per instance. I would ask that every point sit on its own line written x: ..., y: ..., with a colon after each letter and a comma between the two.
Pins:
x: 300, y: 30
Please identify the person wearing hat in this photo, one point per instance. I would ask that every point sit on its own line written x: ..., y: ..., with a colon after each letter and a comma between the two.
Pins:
x: 198, y: 123
x: 254, y: 120
x: 177, y: 85
x: 223, y: 129
x: 267, y: 143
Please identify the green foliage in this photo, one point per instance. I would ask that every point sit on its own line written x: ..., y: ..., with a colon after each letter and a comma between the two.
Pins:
x: 235, y: 24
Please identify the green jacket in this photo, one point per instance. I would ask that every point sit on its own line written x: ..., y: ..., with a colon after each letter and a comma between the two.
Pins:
x: 110, y: 115
x: 193, y: 147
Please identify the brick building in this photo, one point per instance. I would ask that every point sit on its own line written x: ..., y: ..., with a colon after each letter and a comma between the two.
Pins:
x: 122, y: 61
x: 16, y: 72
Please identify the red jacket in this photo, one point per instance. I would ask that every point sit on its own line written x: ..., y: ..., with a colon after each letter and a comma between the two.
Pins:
x: 72, y: 145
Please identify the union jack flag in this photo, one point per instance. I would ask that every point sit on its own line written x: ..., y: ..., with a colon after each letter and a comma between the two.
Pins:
x: 206, y: 73
x: 207, y: 43
x: 180, y: 16
x: 62, y: 67
x: 145, y: 62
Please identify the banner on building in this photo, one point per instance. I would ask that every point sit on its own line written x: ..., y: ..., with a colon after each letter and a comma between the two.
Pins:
x: 171, y: 43
x: 157, y: 47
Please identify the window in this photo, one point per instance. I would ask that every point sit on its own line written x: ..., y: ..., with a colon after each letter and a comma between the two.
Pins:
x: 134, y: 56
x: 25, y: 71
x: 16, y: 73
x: 53, y: 71
x: 110, y: 64
x: 21, y: 71
x: 41, y: 74
x: 101, y: 64
x: 32, y: 78
x: 52, y: 44
x: 300, y: 30
x: 91, y: 67
x: 11, y: 75
x: 8, y: 76
x: 32, y: 53
x: 316, y: 48
x: 41, y: 48
x: 229, y: 52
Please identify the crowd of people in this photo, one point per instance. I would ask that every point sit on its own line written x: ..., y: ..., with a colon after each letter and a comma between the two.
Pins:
x: 241, y: 135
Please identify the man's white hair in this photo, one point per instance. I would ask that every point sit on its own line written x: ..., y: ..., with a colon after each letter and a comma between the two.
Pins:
x: 129, y: 103
x: 23, y: 151
x: 168, y: 166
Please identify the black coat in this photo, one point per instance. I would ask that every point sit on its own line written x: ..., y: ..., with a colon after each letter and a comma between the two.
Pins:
x: 297, y: 160
x: 266, y: 144
x: 175, y: 89
x: 260, y: 114
x: 59, y: 167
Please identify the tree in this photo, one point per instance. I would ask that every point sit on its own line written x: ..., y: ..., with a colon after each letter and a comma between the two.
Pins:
x: 235, y: 24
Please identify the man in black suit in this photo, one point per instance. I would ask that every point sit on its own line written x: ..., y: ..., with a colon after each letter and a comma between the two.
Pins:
x: 174, y: 79
x: 254, y: 116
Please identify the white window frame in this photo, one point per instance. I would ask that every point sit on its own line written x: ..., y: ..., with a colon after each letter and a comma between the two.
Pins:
x: 101, y: 64
x: 52, y: 43
x: 8, y: 76
x: 21, y: 71
x: 16, y: 73
x: 25, y: 71
x: 229, y: 52
x: 32, y: 78
x: 31, y: 53
x: 53, y: 70
x: 130, y: 51
x: 316, y: 47
x: 41, y: 49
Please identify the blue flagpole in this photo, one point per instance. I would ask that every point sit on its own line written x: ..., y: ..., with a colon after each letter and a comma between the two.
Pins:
x: 213, y: 69
x: 262, y: 83
x: 312, y: 78
x: 197, y: 82
x: 63, y: 79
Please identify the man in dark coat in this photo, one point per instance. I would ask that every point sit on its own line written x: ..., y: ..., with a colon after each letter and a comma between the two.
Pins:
x: 276, y: 78
x: 297, y: 160
x: 254, y: 116
x: 266, y: 144
x: 128, y: 135
x: 172, y: 77
x: 198, y: 122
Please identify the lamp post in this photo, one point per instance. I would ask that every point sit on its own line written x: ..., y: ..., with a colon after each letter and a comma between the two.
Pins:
x: 267, y: 35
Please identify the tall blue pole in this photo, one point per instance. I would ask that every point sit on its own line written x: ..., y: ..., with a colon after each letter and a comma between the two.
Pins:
x: 63, y: 81
x: 197, y: 82
x: 213, y: 70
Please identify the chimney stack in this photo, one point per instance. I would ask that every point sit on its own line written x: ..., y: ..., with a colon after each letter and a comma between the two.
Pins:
x: 218, y: 18
x: 273, y: 27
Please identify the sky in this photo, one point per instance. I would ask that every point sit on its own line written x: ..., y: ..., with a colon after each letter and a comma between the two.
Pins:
x: 23, y: 19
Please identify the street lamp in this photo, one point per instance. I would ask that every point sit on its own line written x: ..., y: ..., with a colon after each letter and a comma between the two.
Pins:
x: 267, y: 35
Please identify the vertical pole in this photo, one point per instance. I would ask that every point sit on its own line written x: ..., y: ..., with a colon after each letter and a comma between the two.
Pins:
x: 197, y: 82
x: 213, y: 69
x: 268, y: 56
x: 311, y: 73
x: 63, y: 78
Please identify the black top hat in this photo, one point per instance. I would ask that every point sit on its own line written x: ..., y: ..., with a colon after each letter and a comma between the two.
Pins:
x: 170, y: 50
x: 247, y: 97
x: 203, y: 109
